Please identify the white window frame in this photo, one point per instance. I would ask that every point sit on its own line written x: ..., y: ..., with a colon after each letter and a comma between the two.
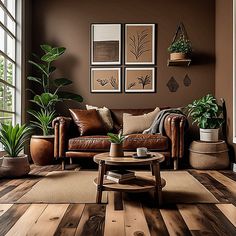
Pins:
x: 17, y: 100
x: 234, y: 71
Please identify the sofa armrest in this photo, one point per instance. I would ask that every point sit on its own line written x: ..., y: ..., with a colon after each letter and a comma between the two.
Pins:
x: 174, y: 126
x: 61, y: 127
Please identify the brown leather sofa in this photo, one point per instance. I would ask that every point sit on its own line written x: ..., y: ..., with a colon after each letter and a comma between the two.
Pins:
x: 68, y: 144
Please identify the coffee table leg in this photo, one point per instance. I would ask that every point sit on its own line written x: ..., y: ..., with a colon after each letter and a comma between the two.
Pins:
x: 158, y: 192
x: 101, y: 172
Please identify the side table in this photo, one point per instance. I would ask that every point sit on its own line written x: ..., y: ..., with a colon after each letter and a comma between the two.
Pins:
x: 139, y: 184
x: 209, y: 155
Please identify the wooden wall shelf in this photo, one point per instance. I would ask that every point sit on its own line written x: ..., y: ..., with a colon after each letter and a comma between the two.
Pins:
x: 185, y: 62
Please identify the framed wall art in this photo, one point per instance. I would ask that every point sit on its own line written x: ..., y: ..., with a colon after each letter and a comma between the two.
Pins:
x: 105, y: 80
x: 105, y: 44
x: 140, y: 44
x: 140, y: 80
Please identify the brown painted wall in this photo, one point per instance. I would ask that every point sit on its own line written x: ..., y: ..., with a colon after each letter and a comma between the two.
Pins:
x: 224, y: 60
x: 67, y: 23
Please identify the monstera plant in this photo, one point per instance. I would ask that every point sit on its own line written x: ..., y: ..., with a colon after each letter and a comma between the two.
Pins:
x: 49, y: 91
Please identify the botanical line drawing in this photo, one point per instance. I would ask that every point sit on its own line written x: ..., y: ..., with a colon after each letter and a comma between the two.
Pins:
x: 114, y: 83
x: 131, y: 85
x: 144, y: 80
x: 139, y: 43
x: 102, y: 82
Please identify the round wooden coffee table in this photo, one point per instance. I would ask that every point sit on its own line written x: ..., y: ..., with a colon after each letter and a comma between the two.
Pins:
x: 139, y: 184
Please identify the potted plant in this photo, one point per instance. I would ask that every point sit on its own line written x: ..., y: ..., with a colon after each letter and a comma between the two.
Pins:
x: 42, y: 146
x: 180, y: 49
x: 13, y: 139
x: 116, y: 149
x: 207, y: 114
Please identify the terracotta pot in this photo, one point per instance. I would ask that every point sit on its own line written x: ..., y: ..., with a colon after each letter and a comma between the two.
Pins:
x: 116, y: 150
x: 177, y: 56
x: 42, y: 149
x: 15, y: 167
x: 209, y: 135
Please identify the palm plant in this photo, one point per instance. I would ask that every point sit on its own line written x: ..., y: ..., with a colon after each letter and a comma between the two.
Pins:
x: 116, y: 138
x: 51, y: 92
x: 43, y: 121
x: 13, y: 138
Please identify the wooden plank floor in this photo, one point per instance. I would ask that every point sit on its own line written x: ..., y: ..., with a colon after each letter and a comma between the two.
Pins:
x: 121, y: 216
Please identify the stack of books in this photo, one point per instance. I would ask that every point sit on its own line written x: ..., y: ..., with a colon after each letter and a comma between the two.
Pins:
x: 120, y: 176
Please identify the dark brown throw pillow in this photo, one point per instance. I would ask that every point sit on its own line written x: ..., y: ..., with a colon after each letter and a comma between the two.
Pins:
x: 88, y: 121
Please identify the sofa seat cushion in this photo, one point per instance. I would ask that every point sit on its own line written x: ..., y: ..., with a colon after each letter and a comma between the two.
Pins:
x: 155, y: 142
x: 90, y: 143
x: 150, y: 141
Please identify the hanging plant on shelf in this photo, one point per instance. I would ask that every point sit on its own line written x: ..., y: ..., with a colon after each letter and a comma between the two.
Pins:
x: 181, y: 46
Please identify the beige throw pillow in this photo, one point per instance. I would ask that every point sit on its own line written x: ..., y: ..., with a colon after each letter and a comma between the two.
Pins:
x: 105, y: 115
x: 137, y: 124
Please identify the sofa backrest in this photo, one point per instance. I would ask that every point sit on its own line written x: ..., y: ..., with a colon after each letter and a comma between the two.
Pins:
x: 117, y: 115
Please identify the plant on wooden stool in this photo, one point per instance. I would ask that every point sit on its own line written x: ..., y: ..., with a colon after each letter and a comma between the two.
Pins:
x: 207, y: 114
x: 116, y: 149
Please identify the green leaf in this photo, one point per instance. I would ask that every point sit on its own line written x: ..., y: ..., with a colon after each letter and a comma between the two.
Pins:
x: 14, y: 138
x: 62, y: 82
x: 39, y: 66
x: 46, y: 48
x: 70, y: 96
x: 35, y: 79
x: 53, y: 54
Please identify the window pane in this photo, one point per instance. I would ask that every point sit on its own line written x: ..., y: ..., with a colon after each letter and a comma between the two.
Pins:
x: 6, y: 97
x: 11, y: 25
x: 1, y: 15
x: 1, y: 67
x: 10, y: 4
x: 10, y: 47
x: 10, y: 72
x: 5, y: 117
x: 2, y: 39
x: 9, y: 96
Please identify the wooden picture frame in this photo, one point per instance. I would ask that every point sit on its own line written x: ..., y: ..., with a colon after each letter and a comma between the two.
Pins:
x: 105, y: 80
x: 106, y: 44
x: 140, y: 44
x: 140, y: 80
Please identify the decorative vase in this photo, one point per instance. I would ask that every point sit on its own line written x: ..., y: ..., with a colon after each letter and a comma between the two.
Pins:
x: 14, y: 167
x: 116, y: 150
x: 42, y: 149
x: 177, y: 56
x: 209, y: 135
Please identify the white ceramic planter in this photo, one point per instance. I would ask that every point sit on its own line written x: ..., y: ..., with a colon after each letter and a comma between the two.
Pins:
x: 209, y: 135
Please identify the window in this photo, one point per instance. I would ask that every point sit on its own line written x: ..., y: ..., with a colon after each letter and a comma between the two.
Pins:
x: 8, y: 62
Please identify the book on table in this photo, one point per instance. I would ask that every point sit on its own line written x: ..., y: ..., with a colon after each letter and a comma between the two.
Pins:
x: 118, y: 180
x: 120, y: 174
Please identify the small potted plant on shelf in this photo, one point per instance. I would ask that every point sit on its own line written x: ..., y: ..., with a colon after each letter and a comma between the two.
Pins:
x: 13, y: 139
x: 207, y: 114
x: 49, y: 88
x: 116, y: 149
x: 180, y: 49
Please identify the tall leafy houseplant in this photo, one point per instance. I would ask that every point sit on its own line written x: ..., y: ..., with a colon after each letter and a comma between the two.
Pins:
x: 13, y: 139
x: 207, y: 114
x: 49, y: 93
